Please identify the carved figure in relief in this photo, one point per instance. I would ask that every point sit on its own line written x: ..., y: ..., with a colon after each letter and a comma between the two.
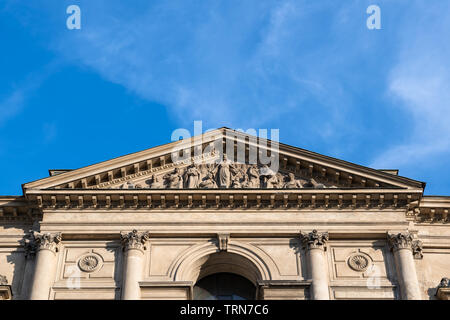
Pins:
x: 224, y: 172
x: 272, y: 182
x: 192, y: 177
x: 236, y: 182
x: 208, y: 182
x: 292, y: 183
x: 174, y: 180
x: 315, y: 184
x: 269, y: 178
x: 128, y: 185
x: 155, y: 182
x: 253, y: 176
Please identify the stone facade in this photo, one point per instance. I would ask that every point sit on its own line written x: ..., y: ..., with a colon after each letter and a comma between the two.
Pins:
x: 145, y: 227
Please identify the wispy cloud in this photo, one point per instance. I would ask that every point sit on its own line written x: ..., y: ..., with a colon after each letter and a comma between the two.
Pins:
x: 420, y: 84
x: 11, y: 105
x: 240, y: 63
x: 15, y: 101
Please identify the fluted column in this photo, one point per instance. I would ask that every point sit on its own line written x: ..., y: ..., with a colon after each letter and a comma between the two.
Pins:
x: 45, y: 266
x: 315, y: 244
x: 402, y: 247
x: 134, y: 246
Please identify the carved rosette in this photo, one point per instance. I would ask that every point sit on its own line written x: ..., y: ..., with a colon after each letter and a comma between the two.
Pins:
x: 89, y: 262
x: 358, y: 262
x: 47, y: 241
x: 314, y: 239
x: 135, y: 240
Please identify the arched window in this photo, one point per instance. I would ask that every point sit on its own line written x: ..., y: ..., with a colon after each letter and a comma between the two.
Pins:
x: 224, y: 286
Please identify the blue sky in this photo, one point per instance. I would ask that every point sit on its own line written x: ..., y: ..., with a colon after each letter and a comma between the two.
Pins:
x: 134, y: 73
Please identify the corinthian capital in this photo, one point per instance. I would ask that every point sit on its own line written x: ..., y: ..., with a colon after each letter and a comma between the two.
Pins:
x: 402, y: 240
x: 314, y: 239
x: 134, y: 240
x: 47, y: 241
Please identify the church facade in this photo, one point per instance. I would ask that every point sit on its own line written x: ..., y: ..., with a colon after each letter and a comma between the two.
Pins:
x: 216, y: 225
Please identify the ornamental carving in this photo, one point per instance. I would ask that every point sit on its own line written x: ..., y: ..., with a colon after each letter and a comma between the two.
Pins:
x: 314, y: 239
x: 445, y: 283
x: 417, y: 247
x: 443, y: 289
x: 401, y: 240
x: 3, y: 280
x: 224, y: 175
x: 358, y: 262
x: 135, y: 240
x: 223, y: 239
x: 89, y: 263
x: 29, y: 245
x: 47, y: 241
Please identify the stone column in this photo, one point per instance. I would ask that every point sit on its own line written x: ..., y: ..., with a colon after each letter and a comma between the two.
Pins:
x: 402, y: 246
x: 134, y: 247
x: 315, y: 244
x: 45, y: 266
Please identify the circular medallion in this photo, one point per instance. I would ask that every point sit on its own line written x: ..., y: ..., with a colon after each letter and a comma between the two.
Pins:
x: 89, y: 263
x: 358, y: 262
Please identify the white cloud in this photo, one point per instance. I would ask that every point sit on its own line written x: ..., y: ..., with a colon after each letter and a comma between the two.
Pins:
x: 420, y: 83
x: 11, y: 105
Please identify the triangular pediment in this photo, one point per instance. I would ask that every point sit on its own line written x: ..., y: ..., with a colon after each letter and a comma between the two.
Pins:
x: 162, y: 168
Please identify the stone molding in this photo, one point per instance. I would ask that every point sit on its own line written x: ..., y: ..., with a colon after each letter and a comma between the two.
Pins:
x: 134, y: 240
x: 293, y: 199
x: 314, y: 239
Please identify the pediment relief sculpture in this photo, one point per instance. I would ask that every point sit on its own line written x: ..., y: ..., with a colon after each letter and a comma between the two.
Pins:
x: 223, y: 175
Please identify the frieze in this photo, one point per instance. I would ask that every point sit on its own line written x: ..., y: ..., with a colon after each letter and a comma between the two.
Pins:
x: 152, y: 171
x: 223, y: 175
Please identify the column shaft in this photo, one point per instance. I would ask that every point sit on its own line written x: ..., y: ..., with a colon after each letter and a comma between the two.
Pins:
x: 319, y: 274
x: 44, y: 275
x: 406, y: 272
x: 134, y: 246
x: 132, y: 274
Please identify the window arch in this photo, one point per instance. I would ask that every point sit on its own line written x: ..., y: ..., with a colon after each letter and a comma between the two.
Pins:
x: 224, y: 286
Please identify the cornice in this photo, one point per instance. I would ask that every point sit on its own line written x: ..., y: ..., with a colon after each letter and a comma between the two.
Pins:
x: 433, y: 209
x: 223, y: 198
